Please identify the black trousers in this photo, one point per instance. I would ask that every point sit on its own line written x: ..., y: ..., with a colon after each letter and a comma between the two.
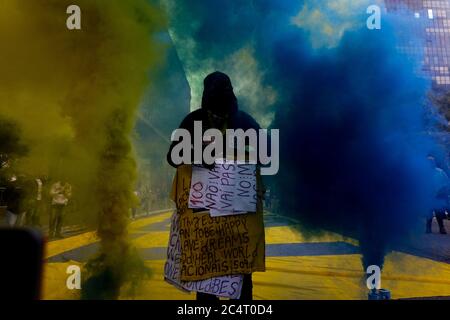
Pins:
x: 246, y: 293
x: 440, y: 216
x: 56, y: 220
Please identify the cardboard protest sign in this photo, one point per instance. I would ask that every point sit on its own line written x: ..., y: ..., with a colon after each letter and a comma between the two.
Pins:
x: 199, y: 187
x: 225, y: 286
x: 216, y: 246
x: 228, y: 188
x: 172, y: 265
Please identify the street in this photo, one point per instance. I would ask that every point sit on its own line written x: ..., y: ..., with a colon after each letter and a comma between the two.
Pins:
x: 298, y: 266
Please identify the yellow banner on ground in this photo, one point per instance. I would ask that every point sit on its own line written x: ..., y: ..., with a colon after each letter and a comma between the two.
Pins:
x: 216, y: 246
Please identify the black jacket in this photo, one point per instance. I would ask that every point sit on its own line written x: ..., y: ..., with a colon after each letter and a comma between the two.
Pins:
x: 219, y: 98
x: 238, y: 120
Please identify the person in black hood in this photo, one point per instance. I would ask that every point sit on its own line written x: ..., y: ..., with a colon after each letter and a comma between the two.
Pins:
x: 219, y: 110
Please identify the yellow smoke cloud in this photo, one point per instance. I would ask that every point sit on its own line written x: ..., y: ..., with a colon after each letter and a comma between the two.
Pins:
x: 74, y: 94
x: 327, y: 21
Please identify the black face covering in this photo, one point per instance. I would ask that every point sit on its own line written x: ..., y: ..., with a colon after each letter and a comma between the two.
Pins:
x: 218, y: 96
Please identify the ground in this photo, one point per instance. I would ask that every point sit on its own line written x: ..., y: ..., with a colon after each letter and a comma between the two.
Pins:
x: 298, y: 267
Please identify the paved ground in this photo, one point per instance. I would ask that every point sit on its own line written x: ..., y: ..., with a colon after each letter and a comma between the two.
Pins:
x: 433, y: 246
x: 298, y: 267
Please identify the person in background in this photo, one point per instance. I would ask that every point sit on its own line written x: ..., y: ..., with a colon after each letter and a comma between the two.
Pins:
x: 441, y: 188
x: 60, y: 194
x: 13, y: 198
x: 34, y: 207
x: 136, y: 205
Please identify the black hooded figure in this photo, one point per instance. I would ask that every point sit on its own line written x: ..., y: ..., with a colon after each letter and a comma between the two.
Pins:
x: 220, y: 111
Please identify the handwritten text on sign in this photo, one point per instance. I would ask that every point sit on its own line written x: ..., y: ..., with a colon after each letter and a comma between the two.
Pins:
x: 228, y: 286
x: 216, y: 246
x: 228, y: 188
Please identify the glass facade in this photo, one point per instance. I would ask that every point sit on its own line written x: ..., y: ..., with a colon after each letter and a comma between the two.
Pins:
x: 427, y: 35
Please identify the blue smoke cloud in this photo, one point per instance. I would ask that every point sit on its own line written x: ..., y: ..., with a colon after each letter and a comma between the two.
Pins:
x: 353, y: 148
x: 350, y: 111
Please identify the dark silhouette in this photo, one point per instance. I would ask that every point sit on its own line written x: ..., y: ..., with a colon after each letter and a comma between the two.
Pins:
x: 220, y: 111
x: 441, y: 191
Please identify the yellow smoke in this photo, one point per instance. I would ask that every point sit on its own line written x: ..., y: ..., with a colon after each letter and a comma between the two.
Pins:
x: 327, y: 21
x: 74, y: 94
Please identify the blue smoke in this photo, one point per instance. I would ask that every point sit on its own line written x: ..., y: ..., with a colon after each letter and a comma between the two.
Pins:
x: 353, y: 154
x: 354, y: 149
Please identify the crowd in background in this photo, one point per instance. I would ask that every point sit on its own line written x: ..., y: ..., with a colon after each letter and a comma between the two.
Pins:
x: 43, y: 203
x: 25, y: 201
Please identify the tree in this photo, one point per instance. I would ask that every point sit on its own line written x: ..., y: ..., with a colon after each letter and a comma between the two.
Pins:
x: 441, y: 101
x: 11, y: 144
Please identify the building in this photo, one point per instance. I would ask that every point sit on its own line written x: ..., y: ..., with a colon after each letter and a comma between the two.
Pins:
x: 426, y: 36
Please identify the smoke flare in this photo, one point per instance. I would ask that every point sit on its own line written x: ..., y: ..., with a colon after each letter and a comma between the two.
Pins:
x: 74, y: 94
x: 349, y: 106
